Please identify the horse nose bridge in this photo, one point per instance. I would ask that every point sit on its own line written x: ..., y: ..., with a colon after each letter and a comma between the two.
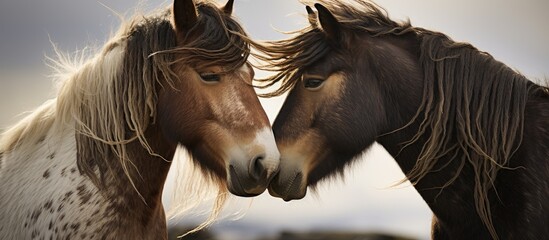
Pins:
x: 261, y: 117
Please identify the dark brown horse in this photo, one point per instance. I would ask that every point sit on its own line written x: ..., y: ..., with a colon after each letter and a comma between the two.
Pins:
x: 91, y: 163
x: 470, y: 133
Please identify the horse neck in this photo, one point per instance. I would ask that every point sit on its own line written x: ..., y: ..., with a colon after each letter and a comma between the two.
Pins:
x: 450, y: 188
x: 148, y: 175
x: 154, y: 169
x: 399, y: 76
x: 402, y: 89
x: 449, y: 203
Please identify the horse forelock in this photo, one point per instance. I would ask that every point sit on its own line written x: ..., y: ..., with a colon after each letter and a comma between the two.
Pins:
x: 216, y: 40
x: 310, y: 44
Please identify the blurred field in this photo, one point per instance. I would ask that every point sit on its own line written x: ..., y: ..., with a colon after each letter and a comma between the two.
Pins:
x: 290, y: 235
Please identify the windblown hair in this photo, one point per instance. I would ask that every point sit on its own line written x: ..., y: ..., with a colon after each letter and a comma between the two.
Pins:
x: 123, y: 103
x: 289, y: 56
x: 111, y: 99
x: 472, y: 108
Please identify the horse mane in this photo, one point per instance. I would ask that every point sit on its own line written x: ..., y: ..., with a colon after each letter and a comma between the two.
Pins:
x: 110, y: 99
x: 474, y: 111
x: 472, y: 107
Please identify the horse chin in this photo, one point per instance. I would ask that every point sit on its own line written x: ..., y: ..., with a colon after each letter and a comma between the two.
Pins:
x: 241, y: 184
x: 238, y: 190
x: 288, y: 188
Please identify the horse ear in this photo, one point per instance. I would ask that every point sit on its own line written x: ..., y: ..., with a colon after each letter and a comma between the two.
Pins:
x: 184, y: 14
x: 228, y: 8
x: 329, y: 23
x: 312, y: 17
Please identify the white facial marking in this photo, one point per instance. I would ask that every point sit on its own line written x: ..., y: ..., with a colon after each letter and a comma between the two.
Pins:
x: 235, y: 106
x: 266, y: 138
x: 263, y: 144
x: 232, y: 108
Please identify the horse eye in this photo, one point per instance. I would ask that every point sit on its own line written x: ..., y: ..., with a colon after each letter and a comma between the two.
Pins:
x: 210, y: 77
x: 312, y: 83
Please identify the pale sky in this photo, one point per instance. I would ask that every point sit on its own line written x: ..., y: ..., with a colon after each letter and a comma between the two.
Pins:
x: 514, y: 32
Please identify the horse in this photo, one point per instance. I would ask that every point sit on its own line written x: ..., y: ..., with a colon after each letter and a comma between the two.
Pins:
x: 470, y: 133
x: 91, y: 163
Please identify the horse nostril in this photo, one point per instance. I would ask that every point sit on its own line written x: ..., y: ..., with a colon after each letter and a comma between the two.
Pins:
x: 257, y: 167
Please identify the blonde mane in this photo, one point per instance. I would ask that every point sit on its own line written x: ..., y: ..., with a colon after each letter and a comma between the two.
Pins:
x: 92, y: 91
x: 107, y: 111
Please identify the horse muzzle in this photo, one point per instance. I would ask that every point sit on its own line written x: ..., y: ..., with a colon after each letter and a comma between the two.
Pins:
x: 288, y: 186
x: 252, y: 179
x: 253, y: 165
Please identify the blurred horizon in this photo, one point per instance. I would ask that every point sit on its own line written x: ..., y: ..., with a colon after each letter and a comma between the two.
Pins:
x: 514, y: 32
